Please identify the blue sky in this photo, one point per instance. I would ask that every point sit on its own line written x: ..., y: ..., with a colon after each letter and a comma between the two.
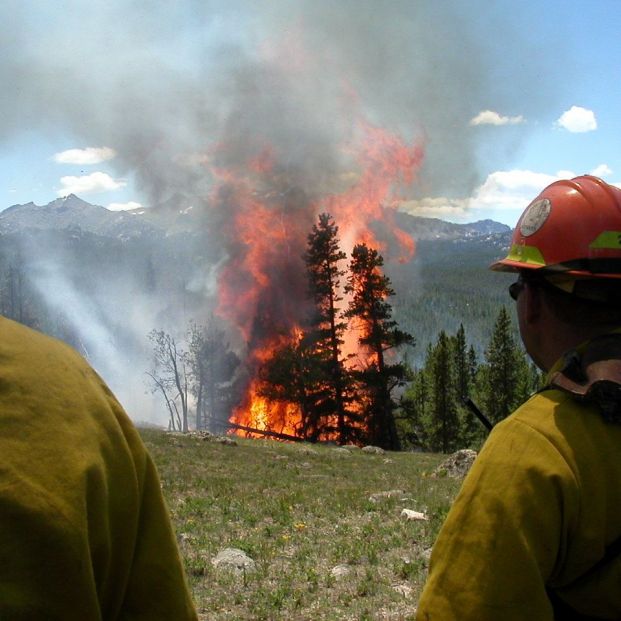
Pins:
x: 116, y: 101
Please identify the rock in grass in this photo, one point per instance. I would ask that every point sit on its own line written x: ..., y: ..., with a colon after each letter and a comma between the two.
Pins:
x: 408, y: 514
x: 403, y: 589
x: 393, y: 493
x: 234, y: 560
x: 225, y: 440
x: 307, y: 450
x: 340, y: 571
x: 373, y: 450
x: 456, y: 465
x: 341, y: 451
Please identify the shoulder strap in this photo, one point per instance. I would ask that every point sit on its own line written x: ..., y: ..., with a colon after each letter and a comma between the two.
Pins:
x: 594, y: 375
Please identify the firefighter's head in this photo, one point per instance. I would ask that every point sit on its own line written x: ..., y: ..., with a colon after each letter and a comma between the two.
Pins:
x: 566, y: 250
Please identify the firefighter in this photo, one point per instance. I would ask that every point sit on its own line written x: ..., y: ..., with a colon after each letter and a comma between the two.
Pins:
x: 84, y: 532
x: 535, y: 532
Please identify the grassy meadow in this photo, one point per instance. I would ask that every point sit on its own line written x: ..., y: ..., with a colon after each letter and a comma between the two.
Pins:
x: 300, y: 511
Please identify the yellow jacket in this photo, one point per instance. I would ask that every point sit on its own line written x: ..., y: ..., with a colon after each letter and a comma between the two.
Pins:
x: 537, y: 510
x: 84, y: 532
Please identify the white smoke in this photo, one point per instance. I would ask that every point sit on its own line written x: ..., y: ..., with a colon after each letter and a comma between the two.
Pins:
x: 160, y: 83
x: 175, y: 85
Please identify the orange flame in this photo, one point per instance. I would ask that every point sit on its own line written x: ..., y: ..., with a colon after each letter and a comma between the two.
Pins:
x: 258, y: 412
x: 262, y: 287
x: 386, y: 162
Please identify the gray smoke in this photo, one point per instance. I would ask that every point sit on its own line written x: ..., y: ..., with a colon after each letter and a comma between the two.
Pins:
x: 178, y: 87
x: 163, y: 82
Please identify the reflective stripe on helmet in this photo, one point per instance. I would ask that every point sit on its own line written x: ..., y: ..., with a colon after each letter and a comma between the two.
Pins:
x: 526, y: 254
x: 607, y: 239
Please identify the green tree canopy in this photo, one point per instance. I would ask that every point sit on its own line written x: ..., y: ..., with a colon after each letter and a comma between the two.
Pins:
x: 371, y: 314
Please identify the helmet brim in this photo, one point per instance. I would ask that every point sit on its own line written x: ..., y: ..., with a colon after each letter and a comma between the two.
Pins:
x: 508, y: 265
x: 511, y: 266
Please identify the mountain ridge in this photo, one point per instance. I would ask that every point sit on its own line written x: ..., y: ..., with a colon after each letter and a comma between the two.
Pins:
x: 124, y: 267
x: 72, y: 212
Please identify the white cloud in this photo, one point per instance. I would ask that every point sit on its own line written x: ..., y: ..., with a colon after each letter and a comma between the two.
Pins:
x: 504, y: 190
x: 85, y: 157
x: 577, y: 120
x: 87, y: 184
x: 509, y: 191
x: 438, y: 207
x: 603, y: 170
x: 124, y: 206
x: 489, y: 117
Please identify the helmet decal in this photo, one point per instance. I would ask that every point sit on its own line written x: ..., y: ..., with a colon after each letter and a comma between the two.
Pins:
x: 535, y: 216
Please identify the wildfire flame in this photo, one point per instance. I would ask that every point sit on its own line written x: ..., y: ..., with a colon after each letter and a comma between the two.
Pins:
x: 259, y: 413
x: 263, y: 287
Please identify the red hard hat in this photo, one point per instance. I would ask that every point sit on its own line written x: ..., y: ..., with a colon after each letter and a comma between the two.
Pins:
x: 573, y: 227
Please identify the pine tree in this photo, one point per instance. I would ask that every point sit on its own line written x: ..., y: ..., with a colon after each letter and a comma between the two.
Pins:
x: 504, y: 371
x: 16, y: 294
x: 295, y: 374
x: 416, y: 407
x: 473, y: 366
x: 369, y: 289
x: 472, y: 431
x: 332, y: 383
x: 460, y: 363
x: 445, y: 429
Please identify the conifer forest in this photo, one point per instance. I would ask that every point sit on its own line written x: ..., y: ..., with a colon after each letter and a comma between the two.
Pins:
x: 384, y: 354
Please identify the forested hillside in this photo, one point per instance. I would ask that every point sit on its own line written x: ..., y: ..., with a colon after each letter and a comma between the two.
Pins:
x: 103, y: 283
x: 449, y: 284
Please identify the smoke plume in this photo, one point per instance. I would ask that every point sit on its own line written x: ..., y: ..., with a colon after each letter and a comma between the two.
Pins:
x: 189, y: 93
x: 162, y: 82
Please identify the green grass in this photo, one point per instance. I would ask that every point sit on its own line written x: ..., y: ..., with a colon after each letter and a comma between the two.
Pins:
x: 299, y: 511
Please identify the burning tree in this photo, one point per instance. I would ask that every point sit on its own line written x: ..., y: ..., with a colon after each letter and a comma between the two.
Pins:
x: 308, y: 371
x: 263, y: 209
x: 369, y: 289
x: 311, y: 375
x: 322, y: 262
x: 293, y: 374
